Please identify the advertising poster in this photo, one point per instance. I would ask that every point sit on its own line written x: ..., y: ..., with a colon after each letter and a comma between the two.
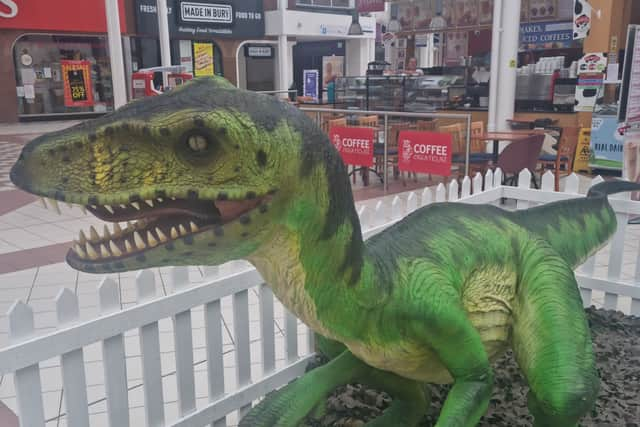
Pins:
x: 587, y: 91
x: 456, y: 46
x: 633, y: 89
x: 485, y: 12
x: 631, y: 169
x: 425, y: 152
x: 202, y: 59
x: 606, y: 143
x: 78, y: 89
x: 465, y: 13
x: 592, y: 63
x: 310, y: 85
x: 542, y: 10
x: 355, y: 144
x: 332, y: 68
x: 581, y: 19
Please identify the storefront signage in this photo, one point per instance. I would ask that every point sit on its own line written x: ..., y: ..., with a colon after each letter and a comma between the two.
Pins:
x: 204, y: 19
x: 425, y: 152
x: 370, y: 5
x: 59, y: 15
x: 542, y: 33
x: 203, y: 59
x: 11, y: 7
x: 355, y: 144
x: 258, y: 51
x: 592, y: 63
x: 210, y: 13
x: 76, y: 77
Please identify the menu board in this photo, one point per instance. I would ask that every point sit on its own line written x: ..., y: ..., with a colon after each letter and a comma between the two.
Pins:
x: 456, y: 46
x: 543, y: 10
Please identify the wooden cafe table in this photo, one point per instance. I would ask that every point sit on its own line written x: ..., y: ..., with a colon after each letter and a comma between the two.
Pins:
x: 511, y: 136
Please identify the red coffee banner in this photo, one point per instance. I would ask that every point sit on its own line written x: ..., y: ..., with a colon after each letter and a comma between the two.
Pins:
x: 78, y: 89
x: 424, y: 152
x: 355, y: 144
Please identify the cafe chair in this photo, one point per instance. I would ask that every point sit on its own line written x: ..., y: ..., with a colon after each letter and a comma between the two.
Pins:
x: 562, y: 162
x: 328, y: 124
x: 372, y: 122
x: 392, y: 152
x: 426, y: 125
x: 518, y: 156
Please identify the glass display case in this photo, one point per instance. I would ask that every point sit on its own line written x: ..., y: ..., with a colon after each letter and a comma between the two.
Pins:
x: 399, y: 93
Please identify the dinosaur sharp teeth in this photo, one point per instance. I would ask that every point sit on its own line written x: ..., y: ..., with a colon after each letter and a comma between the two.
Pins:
x: 93, y: 234
x: 123, y: 206
x: 194, y: 227
x: 104, y: 252
x: 109, y: 208
x: 127, y: 246
x: 159, y: 199
x: 149, y: 202
x: 79, y: 251
x: 114, y: 249
x: 43, y: 202
x: 117, y: 231
x: 54, y: 204
x: 151, y: 240
x: 91, y: 252
x: 161, y: 235
x: 183, y: 231
x: 107, y: 234
x: 173, y: 233
x: 82, y: 238
x: 136, y: 205
x: 137, y: 239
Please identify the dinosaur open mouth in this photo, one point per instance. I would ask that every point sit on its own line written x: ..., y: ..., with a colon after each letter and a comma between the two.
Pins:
x: 152, y: 223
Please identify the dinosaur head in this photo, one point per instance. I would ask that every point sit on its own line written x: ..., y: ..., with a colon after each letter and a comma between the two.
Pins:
x: 201, y: 175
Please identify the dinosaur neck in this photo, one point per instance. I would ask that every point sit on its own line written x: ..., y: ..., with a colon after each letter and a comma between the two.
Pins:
x: 316, y: 258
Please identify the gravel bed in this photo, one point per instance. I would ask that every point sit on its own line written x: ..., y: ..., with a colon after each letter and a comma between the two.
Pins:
x: 616, y: 339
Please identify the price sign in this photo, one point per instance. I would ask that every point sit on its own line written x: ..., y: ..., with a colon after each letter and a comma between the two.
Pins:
x: 78, y: 89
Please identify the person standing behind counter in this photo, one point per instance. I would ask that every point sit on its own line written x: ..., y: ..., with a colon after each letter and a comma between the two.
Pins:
x: 412, y: 68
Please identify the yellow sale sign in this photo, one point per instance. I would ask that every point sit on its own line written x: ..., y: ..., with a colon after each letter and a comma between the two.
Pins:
x: 202, y: 59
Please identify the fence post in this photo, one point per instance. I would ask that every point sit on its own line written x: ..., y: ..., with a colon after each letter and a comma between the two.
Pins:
x: 412, y: 202
x: 426, y: 197
x: 241, y: 338
x: 572, y: 184
x: 497, y: 178
x: 488, y: 180
x: 524, y: 181
x: 26, y: 380
x: 183, y: 339
x: 548, y: 181
x: 453, y: 190
x: 441, y: 193
x: 73, y: 376
x: 477, y: 183
x: 150, y: 351
x: 396, y: 208
x: 114, y: 362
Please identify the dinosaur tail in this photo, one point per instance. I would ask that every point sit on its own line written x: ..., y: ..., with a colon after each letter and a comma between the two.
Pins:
x: 576, y: 228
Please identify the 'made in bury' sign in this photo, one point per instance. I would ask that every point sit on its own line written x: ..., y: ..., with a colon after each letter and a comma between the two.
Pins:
x: 211, y: 13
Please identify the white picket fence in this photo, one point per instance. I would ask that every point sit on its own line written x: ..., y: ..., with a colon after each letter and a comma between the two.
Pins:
x: 26, y: 352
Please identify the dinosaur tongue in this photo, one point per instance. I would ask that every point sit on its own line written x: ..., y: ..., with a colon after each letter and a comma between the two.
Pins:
x: 230, y: 210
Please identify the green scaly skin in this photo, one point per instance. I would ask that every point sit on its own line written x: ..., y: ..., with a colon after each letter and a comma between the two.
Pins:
x: 434, y: 298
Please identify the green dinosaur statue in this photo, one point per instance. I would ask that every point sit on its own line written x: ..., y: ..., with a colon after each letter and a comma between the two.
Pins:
x: 211, y: 173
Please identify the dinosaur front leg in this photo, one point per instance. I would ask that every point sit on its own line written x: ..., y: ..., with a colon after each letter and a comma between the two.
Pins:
x: 288, y: 406
x: 551, y: 340
x: 440, y: 323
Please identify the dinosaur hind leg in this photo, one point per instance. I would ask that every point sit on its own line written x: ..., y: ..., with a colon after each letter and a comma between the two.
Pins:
x: 551, y: 340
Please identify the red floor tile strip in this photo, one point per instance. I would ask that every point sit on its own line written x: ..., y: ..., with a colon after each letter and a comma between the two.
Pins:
x: 10, y: 200
x: 29, y: 258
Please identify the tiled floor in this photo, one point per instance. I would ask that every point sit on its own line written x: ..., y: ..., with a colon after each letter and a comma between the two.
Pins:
x: 33, y: 241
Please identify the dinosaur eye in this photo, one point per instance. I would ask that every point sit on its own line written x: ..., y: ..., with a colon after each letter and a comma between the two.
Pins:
x: 197, y: 143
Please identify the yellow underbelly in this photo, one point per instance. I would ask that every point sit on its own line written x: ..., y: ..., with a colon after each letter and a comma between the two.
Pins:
x: 487, y: 299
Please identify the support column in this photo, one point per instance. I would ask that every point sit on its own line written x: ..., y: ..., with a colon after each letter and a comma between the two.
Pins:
x: 115, y: 54
x: 506, y: 93
x: 163, y: 33
x: 283, y: 64
x: 496, y: 37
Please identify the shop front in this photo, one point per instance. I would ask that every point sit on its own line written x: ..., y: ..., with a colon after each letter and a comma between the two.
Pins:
x: 204, y: 36
x: 54, y: 60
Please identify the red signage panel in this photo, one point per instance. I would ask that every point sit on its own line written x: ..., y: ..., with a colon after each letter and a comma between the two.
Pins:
x: 370, y: 5
x: 59, y: 15
x: 355, y: 144
x: 425, y: 152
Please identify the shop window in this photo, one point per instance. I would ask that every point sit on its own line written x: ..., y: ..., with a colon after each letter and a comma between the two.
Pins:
x: 62, y: 74
x: 338, y: 4
x: 145, y: 53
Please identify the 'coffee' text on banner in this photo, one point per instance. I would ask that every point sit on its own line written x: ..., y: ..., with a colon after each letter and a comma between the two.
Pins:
x: 355, y: 144
x: 425, y: 152
x: 78, y: 89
